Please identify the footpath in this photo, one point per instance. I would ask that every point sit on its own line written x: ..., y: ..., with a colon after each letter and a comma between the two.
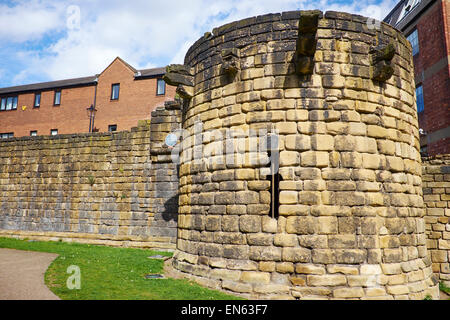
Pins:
x: 22, y: 275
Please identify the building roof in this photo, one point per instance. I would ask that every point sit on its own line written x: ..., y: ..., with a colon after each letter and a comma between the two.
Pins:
x: 405, y: 12
x: 74, y: 82
x: 151, y: 72
x: 50, y: 85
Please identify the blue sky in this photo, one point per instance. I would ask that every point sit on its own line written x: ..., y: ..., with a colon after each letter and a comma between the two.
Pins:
x: 45, y: 40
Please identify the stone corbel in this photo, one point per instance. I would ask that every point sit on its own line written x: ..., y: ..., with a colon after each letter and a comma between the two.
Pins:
x: 182, y: 77
x: 172, y: 105
x: 381, y: 57
x: 307, y: 41
x: 230, y: 62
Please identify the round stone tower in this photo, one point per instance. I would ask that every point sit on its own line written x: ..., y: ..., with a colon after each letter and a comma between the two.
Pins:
x: 300, y: 172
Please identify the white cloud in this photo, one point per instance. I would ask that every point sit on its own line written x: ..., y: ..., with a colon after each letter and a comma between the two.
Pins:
x: 144, y: 33
x: 29, y: 20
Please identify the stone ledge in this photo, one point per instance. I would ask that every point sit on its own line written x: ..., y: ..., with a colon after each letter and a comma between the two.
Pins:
x: 156, y: 243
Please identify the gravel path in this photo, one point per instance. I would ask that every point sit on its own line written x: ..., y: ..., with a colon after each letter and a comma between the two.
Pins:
x: 22, y: 275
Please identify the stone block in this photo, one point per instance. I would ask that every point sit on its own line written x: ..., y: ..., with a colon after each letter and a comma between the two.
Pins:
x: 225, y: 274
x: 333, y: 81
x: 345, y: 293
x: 394, y: 164
x: 269, y: 224
x: 237, y: 286
x: 231, y: 186
x: 255, y: 277
x: 247, y: 197
x: 288, y: 197
x: 308, y: 173
x: 301, y: 225
x: 342, y: 241
x: 260, y: 239
x: 397, y: 290
x: 292, y: 254
x: 293, y: 210
x: 244, y: 174
x: 351, y: 256
x: 318, y: 159
x: 323, y: 256
x: 298, y: 143
x: 322, y: 142
x: 326, y: 280
x: 345, y: 143
x: 239, y: 252
x: 285, y: 240
x: 375, y: 292
x: 370, y: 269
x: 302, y: 268
x: 250, y: 224
x: 351, y: 160
x: 285, y: 267
x: 362, y: 281
x: 229, y: 238
x: 298, y: 281
x: 313, y: 241
x: 220, y: 198
x: 264, y: 253
x: 341, y: 186
x: 348, y: 270
x: 377, y: 132
x: 289, y: 158
x: 348, y: 198
x: 267, y: 266
x: 297, y: 115
x: 230, y: 223
x: 327, y: 225
x: 212, y: 223
x: 242, y: 265
x: 309, y: 197
x: 277, y: 289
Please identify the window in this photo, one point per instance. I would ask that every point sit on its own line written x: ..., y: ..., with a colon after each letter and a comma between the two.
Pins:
x: 160, y: 87
x: 7, y: 135
x: 57, y: 99
x: 424, y: 151
x: 8, y: 103
x: 54, y: 132
x: 115, y: 91
x: 413, y: 38
x: 419, y: 97
x: 112, y: 127
x: 37, y: 100
x: 407, y: 8
x: 33, y: 133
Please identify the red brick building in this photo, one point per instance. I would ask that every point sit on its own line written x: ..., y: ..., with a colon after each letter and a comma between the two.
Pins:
x: 121, y: 95
x: 426, y: 24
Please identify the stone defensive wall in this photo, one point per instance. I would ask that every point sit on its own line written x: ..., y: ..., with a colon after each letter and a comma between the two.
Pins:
x: 102, y: 188
x: 436, y: 195
x: 317, y: 195
x: 287, y: 167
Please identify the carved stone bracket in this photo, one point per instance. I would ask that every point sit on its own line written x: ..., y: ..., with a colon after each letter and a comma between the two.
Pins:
x: 381, y: 57
x: 172, y: 105
x: 307, y: 41
x: 182, y: 77
x: 230, y: 62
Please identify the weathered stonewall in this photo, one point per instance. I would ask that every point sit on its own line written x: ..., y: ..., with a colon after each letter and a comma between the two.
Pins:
x: 344, y: 217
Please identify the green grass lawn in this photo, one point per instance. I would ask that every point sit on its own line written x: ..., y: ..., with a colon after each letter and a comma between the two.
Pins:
x: 112, y: 273
x: 444, y: 288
